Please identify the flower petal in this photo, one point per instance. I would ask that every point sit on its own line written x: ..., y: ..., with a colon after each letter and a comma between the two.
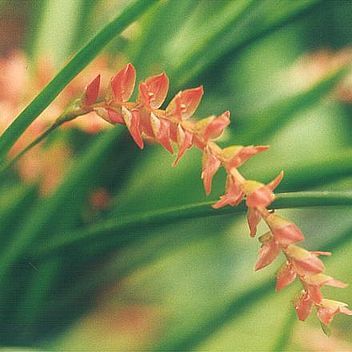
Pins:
x: 303, y: 261
x: 154, y: 90
x: 216, y: 127
x: 91, y: 92
x: 303, y: 306
x: 185, y: 103
x: 122, y: 84
x: 276, y: 181
x: 267, y: 253
x: 132, y: 119
x: 237, y: 155
x: 285, y: 276
x: 211, y: 165
x: 284, y: 231
x: 233, y: 195
x: 260, y: 197
x: 184, y: 141
x: 161, y: 130
x: 253, y: 218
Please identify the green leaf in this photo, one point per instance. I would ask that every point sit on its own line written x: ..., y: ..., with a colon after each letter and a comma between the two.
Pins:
x: 74, y: 66
x: 255, y: 21
x: 49, y: 215
x: 260, y: 126
x: 124, y: 224
x: 57, y: 24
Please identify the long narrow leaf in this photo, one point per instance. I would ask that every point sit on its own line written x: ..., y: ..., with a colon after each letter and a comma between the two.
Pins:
x: 285, y: 200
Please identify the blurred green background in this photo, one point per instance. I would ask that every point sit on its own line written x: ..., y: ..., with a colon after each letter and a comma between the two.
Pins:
x: 191, y: 285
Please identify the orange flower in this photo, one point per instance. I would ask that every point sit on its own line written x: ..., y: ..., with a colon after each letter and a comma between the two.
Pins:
x: 268, y: 251
x: 328, y: 309
x: 284, y: 230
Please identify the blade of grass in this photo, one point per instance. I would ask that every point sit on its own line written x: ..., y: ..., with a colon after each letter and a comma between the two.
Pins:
x: 74, y: 66
x: 59, y: 212
x: 78, y: 181
x: 58, y: 22
x: 286, y: 332
x: 314, y: 173
x: 264, y: 124
x: 155, y: 34
x: 124, y: 224
x: 239, y: 36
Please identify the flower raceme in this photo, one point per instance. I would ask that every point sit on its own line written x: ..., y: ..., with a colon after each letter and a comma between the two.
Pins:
x: 174, y: 126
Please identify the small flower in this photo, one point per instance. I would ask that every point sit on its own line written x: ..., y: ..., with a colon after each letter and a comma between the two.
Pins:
x: 313, y: 283
x: 268, y: 251
x: 329, y: 308
x: 153, y: 91
x: 237, y: 155
x: 233, y: 195
x: 284, y: 230
x: 258, y: 194
x: 185, y: 103
x: 303, y: 261
x: 285, y: 276
x: 303, y: 306
x: 210, y: 128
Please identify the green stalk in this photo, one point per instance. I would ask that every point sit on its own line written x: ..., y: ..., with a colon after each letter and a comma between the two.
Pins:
x: 124, y: 224
x: 74, y: 66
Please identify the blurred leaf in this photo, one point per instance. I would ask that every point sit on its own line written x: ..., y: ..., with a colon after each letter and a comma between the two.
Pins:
x: 58, y: 24
x: 75, y: 65
x: 258, y: 19
x: 49, y: 215
x: 264, y: 124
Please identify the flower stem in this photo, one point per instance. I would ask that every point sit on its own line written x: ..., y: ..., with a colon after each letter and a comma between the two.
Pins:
x: 124, y: 224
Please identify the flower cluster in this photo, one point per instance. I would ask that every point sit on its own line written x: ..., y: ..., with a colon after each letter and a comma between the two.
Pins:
x: 174, y: 127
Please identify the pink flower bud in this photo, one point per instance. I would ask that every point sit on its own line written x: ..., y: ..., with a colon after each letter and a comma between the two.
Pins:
x: 284, y: 231
x: 154, y: 90
x: 91, y: 92
x: 185, y: 103
x: 328, y: 309
x: 211, y: 165
x: 268, y: 251
x: 122, y: 84
x: 303, y: 306
x: 285, y: 276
